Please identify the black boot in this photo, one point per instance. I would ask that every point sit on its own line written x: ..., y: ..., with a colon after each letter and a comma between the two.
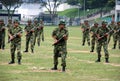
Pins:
x: 98, y: 60
x: 32, y: 51
x: 106, y: 60
x: 92, y: 50
x: 12, y: 62
x: 114, y: 47
x: 54, y: 68
x: 19, y: 61
x: 63, y: 69
x: 88, y: 43
x: 26, y: 51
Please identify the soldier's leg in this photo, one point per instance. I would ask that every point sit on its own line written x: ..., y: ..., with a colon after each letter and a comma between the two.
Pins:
x: 13, y: 48
x: 115, y: 41
x: 88, y: 39
x: 39, y: 38
x: 92, y: 44
x: 0, y: 42
x: 83, y: 40
x: 109, y: 37
x: 3, y: 42
x: 35, y: 38
x: 55, y: 58
x: 119, y: 41
x: 98, y: 48
x: 27, y: 43
x: 19, y: 56
x: 105, y: 47
x: 32, y: 44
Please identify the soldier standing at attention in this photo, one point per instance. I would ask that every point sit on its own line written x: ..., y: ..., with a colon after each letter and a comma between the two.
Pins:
x: 111, y: 26
x: 9, y: 25
x: 117, y: 35
x: 29, y: 36
x: 15, y: 34
x: 85, y: 29
x: 93, y: 31
x: 36, y: 25
x: 2, y: 34
x: 102, y: 33
x: 60, y: 36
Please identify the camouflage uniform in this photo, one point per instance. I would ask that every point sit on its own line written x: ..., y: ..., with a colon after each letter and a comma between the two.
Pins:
x: 15, y: 43
x: 111, y: 27
x: 2, y: 34
x: 60, y: 49
x: 116, y: 35
x: 9, y: 25
x: 29, y: 37
x: 38, y: 32
x: 93, y: 30
x: 101, y: 31
x: 86, y: 33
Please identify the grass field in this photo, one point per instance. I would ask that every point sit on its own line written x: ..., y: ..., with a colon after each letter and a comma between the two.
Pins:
x: 81, y: 64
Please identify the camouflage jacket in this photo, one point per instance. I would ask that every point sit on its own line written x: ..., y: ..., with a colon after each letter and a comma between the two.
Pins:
x: 13, y: 31
x: 59, y: 34
x: 93, y: 30
x: 86, y: 28
x: 28, y: 29
x: 101, y: 32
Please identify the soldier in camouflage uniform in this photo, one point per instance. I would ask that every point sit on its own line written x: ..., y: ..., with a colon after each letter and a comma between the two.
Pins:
x: 15, y: 42
x: 29, y: 36
x: 117, y: 35
x: 111, y: 26
x: 85, y: 29
x: 9, y: 25
x: 102, y: 41
x: 93, y: 31
x: 38, y: 31
x: 2, y: 34
x: 60, y: 35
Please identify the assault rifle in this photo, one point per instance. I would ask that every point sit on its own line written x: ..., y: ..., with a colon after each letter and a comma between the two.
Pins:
x: 14, y: 36
x: 29, y: 32
x: 59, y: 40
x: 86, y: 29
x: 104, y: 35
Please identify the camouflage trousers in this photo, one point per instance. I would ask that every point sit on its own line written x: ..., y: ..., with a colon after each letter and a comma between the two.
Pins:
x: 93, y: 41
x: 16, y: 46
x: 105, y: 47
x: 30, y: 39
x: 109, y: 37
x: 86, y: 36
x: 116, y: 38
x: 2, y: 41
x: 60, y: 51
x: 38, y: 37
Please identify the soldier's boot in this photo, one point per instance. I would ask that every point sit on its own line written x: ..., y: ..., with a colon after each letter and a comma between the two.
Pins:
x: 32, y: 50
x: 19, y: 61
x: 98, y: 60
x: 54, y: 68
x: 114, y: 47
x: 26, y: 50
x: 106, y: 60
x: 12, y: 61
x: 83, y: 44
x: 92, y: 50
x: 63, y: 69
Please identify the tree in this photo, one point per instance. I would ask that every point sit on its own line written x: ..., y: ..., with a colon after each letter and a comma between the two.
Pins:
x: 51, y: 6
x: 11, y: 6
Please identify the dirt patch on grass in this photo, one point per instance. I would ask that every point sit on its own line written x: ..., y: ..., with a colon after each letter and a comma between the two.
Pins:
x: 112, y: 64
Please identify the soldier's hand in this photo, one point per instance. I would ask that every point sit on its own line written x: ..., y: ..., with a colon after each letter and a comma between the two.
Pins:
x: 65, y: 37
x: 106, y: 34
x: 11, y: 37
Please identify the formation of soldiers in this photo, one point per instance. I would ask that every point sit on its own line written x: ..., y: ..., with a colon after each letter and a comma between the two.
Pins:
x: 101, y: 35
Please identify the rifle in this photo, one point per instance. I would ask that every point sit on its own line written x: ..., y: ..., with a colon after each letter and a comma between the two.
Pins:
x: 86, y: 29
x: 29, y: 32
x: 59, y: 40
x: 14, y: 36
x: 118, y: 30
x: 105, y: 35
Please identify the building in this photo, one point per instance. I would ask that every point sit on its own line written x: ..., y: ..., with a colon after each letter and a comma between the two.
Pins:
x: 117, y: 11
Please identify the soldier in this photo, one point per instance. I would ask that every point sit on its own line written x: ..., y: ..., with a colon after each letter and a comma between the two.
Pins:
x: 2, y: 34
x: 111, y: 26
x: 102, y: 33
x: 116, y: 35
x: 38, y: 31
x: 15, y: 34
x: 60, y: 35
x: 9, y: 25
x: 85, y: 29
x: 29, y: 36
x: 93, y: 31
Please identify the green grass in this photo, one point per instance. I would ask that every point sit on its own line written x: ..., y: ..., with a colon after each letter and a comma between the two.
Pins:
x: 81, y: 64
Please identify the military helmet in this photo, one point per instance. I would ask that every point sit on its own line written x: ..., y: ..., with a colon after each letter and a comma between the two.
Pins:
x: 104, y: 22
x: 16, y: 21
x: 62, y: 23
